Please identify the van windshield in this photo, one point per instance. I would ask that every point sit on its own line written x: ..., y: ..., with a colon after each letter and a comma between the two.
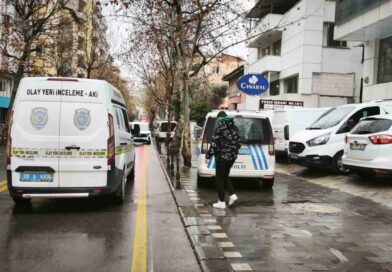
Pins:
x: 331, y: 118
x: 165, y: 126
x: 252, y: 130
x: 144, y: 127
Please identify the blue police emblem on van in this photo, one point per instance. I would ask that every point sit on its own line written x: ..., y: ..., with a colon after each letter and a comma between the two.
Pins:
x: 253, y: 84
x: 82, y: 118
x: 39, y: 117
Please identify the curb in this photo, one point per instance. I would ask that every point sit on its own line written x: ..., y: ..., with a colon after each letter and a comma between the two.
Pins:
x: 203, y: 262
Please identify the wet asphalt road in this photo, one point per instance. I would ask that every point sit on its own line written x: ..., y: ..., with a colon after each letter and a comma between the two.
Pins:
x: 310, y: 221
x: 95, y: 235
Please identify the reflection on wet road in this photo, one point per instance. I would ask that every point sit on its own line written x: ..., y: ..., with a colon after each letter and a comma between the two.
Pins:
x: 95, y: 235
x: 300, y: 225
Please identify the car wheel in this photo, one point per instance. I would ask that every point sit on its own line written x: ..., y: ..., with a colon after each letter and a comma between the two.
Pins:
x: 268, y: 183
x: 337, y: 165
x: 201, y: 181
x: 149, y: 142
x: 120, y: 193
x: 21, y: 201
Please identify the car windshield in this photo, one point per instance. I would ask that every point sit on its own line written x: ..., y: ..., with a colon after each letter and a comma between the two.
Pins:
x: 144, y: 127
x: 370, y: 126
x: 164, y: 127
x: 332, y: 117
x: 252, y: 130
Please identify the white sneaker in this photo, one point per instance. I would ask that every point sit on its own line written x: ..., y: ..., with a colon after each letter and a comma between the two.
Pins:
x: 233, y: 198
x: 219, y: 205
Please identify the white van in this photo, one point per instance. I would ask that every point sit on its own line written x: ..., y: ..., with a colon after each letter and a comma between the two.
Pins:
x: 256, y: 157
x: 145, y: 133
x: 286, y: 123
x: 163, y: 129
x: 69, y: 138
x: 322, y: 144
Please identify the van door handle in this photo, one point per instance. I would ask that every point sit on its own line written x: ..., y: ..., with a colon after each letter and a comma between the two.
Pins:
x: 123, y: 143
x: 72, y: 147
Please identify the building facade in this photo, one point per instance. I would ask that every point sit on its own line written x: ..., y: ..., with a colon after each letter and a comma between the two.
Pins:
x: 235, y: 97
x: 369, y: 23
x: 75, y: 43
x: 292, y: 44
x: 8, y: 65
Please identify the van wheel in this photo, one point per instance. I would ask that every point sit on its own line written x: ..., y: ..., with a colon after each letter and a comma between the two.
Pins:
x: 366, y: 175
x: 337, y: 165
x: 201, y: 181
x: 268, y: 183
x: 120, y: 193
x: 21, y: 201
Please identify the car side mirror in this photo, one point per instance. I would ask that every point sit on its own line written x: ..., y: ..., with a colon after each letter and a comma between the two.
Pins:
x: 350, y: 124
x: 136, y: 130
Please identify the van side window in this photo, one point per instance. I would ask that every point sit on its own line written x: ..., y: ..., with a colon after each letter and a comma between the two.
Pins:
x: 125, y: 118
x: 370, y: 111
x: 120, y: 119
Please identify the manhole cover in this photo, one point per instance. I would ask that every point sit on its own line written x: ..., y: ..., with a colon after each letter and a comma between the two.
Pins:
x: 317, y: 207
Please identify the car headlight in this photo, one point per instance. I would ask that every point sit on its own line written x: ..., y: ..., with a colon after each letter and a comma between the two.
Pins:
x: 320, y: 140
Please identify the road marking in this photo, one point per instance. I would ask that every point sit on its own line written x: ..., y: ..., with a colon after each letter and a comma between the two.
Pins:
x: 219, y: 235
x: 338, y: 254
x: 3, y: 187
x: 139, y: 261
x: 214, y: 227
x: 241, y: 267
x: 225, y: 244
x: 232, y: 254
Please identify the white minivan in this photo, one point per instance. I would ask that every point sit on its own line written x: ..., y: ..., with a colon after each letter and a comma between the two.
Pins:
x: 68, y: 138
x: 286, y: 123
x: 164, y: 130
x: 369, y: 147
x: 321, y: 145
x: 256, y: 158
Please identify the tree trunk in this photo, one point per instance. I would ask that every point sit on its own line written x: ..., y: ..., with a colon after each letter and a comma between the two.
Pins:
x: 183, y: 131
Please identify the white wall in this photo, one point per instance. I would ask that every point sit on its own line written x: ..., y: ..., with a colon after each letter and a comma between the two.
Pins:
x: 303, y: 54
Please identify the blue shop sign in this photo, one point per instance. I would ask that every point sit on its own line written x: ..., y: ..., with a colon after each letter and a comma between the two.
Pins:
x: 253, y: 84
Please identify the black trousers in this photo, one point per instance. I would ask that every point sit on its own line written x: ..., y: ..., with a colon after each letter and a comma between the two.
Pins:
x: 223, y: 180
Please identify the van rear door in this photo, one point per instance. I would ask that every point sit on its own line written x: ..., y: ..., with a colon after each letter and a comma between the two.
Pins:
x: 35, y: 134
x: 83, y: 135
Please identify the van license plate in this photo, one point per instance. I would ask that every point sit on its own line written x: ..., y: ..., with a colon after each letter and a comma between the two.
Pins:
x: 355, y: 146
x: 36, y: 177
x: 294, y: 157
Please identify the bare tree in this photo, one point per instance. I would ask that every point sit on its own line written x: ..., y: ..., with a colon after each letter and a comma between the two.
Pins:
x: 31, y: 23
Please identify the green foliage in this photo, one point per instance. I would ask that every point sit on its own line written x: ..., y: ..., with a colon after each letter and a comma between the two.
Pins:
x: 199, y: 110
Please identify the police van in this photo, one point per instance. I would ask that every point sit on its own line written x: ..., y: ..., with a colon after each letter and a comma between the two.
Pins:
x: 68, y: 138
x: 256, y: 157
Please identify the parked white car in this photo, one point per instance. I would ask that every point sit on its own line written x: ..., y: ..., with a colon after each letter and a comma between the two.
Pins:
x: 163, y: 129
x: 368, y: 148
x: 145, y: 132
x: 256, y: 157
x: 69, y: 138
x: 286, y: 123
x: 322, y: 144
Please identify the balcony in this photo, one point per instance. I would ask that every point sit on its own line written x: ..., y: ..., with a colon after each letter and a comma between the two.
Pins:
x: 348, y: 9
x: 266, y: 64
x: 265, y: 29
x: 363, y: 20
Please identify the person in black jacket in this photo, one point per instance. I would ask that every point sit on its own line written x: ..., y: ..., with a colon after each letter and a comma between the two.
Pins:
x: 224, y: 146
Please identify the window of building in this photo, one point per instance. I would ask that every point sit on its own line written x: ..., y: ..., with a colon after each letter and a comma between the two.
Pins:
x: 80, y: 43
x: 328, y: 37
x: 291, y: 85
x: 385, y: 61
x: 277, y: 48
x: 6, y: 18
x: 274, y: 87
x: 263, y: 51
x: 216, y: 70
